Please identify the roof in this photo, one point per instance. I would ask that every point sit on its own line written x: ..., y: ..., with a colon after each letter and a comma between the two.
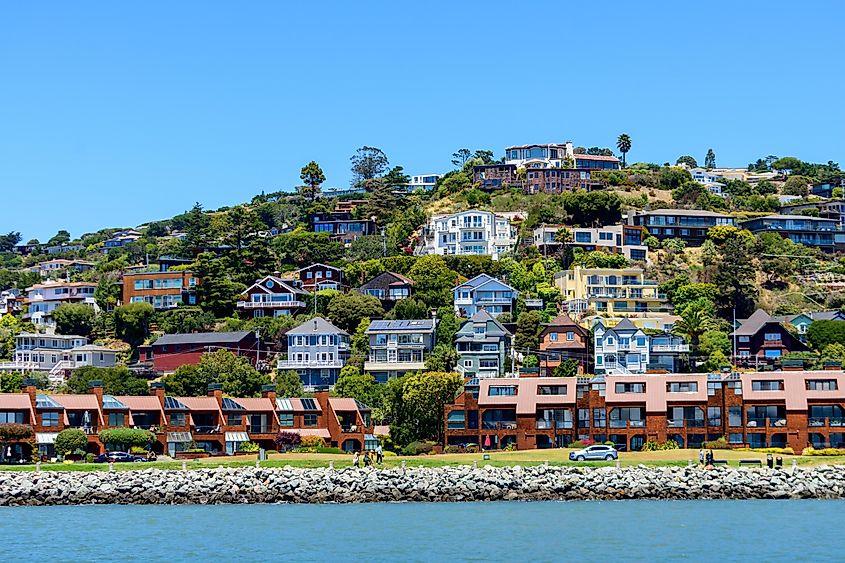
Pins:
x: 563, y: 320
x: 202, y: 338
x: 15, y: 401
x: 401, y: 279
x: 625, y: 324
x: 790, y: 218
x: 317, y: 325
x: 483, y: 316
x: 401, y: 325
x: 527, y: 398
x: 483, y: 279
x: 252, y: 404
x: 381, y: 430
x: 596, y: 157
x: 86, y: 401
x: 343, y: 404
x: 282, y: 282
x: 199, y: 403
x: 140, y: 402
x: 318, y: 264
x: 93, y: 348
x: 691, y: 212
x: 826, y: 315
x: 754, y: 323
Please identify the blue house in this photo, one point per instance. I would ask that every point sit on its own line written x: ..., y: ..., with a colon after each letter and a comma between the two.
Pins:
x: 484, y: 292
x: 317, y: 350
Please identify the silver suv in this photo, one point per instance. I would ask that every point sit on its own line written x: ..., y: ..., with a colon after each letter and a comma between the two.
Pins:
x: 607, y: 453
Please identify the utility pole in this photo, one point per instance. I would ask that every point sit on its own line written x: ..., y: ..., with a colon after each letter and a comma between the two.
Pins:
x: 734, y: 339
x: 258, y: 346
x: 383, y: 243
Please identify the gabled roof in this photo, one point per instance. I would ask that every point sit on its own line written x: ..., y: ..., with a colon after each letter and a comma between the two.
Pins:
x: 827, y: 315
x: 317, y: 325
x: 483, y: 316
x: 318, y: 264
x: 400, y: 279
x: 754, y: 323
x: 281, y: 282
x: 625, y: 324
x: 203, y: 338
x: 482, y: 280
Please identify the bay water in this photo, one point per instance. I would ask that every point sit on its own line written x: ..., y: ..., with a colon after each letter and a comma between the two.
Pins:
x: 502, y: 531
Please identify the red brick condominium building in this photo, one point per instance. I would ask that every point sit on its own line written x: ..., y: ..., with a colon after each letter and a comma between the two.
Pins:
x: 214, y: 423
x: 772, y: 409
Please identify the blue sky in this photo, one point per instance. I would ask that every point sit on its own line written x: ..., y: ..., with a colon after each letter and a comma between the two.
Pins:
x: 112, y: 115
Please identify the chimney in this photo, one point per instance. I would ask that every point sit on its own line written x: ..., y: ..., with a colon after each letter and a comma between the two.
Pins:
x: 269, y: 391
x: 95, y: 387
x: 28, y: 387
x: 157, y: 389
x: 216, y: 390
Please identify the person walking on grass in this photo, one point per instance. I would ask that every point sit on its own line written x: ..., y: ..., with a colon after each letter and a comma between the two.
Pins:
x: 700, y: 456
x: 356, y: 460
x: 367, y: 460
x: 379, y: 455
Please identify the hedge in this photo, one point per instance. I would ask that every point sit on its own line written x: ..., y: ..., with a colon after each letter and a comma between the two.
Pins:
x: 127, y: 437
x: 70, y: 440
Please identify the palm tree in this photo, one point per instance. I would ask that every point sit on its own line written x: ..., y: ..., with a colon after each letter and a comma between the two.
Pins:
x: 623, y: 143
x: 691, y: 326
x: 564, y: 237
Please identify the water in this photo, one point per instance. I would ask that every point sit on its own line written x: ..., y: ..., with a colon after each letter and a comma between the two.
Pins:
x: 516, y: 531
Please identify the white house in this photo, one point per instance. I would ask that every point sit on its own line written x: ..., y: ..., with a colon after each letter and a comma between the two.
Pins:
x: 56, y: 354
x: 43, y: 298
x: 621, y: 350
x: 472, y: 232
x: 549, y: 155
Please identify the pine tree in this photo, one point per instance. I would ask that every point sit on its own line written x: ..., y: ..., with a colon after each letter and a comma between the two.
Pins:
x: 710, y: 159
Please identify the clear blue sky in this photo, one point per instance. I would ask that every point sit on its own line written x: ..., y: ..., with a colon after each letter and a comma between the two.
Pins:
x: 112, y: 115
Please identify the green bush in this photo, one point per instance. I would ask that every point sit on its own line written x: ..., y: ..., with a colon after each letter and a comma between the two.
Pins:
x: 312, y: 442
x: 451, y: 450
x: 655, y: 446
x: 70, y: 440
x: 823, y: 451
x: 89, y: 458
x: 418, y: 448
x: 510, y: 447
x: 471, y: 448
x: 782, y: 451
x: 249, y: 447
x: 125, y: 438
x: 718, y: 444
x: 138, y: 450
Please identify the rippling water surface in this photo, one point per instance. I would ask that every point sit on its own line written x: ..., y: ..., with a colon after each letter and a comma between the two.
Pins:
x: 502, y: 531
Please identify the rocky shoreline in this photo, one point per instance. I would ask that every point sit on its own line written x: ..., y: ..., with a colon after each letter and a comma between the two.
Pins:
x: 446, y: 484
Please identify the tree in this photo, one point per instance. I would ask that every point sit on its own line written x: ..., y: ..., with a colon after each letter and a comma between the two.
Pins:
x: 184, y: 319
x: 235, y: 373
x: 407, y: 309
x: 346, y: 310
x: 460, y: 156
x: 443, y: 357
x: 368, y: 163
x: 623, y: 143
x: 197, y: 227
x: 735, y: 276
x: 426, y: 394
x: 452, y: 183
x: 286, y: 440
x: 589, y: 209
x: 688, y: 192
x: 382, y: 202
x: 528, y: 330
x: 217, y: 294
x: 688, y: 160
x: 601, y: 151
x: 787, y: 163
x: 118, y: 380
x: 567, y: 368
x: 74, y: 318
x: 710, y: 159
x: 60, y: 237
x: 9, y: 241
x: 312, y: 175
x: 433, y: 281
x: 821, y: 334
x: 670, y: 177
x: 131, y: 322
x: 797, y: 185
x: 712, y: 341
x: 687, y: 293
x: 70, y: 440
x: 302, y: 248
x: 366, y: 247
x: 691, y: 326
x: 289, y: 384
x: 107, y: 293
x: 361, y: 386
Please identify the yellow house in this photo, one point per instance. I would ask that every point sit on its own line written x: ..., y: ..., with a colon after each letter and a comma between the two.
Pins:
x: 610, y: 292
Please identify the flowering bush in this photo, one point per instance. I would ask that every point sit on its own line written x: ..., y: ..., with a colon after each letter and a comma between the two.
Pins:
x: 287, y: 440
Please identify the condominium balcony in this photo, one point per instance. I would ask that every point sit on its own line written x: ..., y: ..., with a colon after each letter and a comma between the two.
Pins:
x: 686, y: 423
x: 670, y: 348
x: 494, y: 300
x: 826, y: 421
x: 627, y: 424
x: 393, y: 366
x: 549, y: 424
x: 270, y: 304
x: 308, y: 364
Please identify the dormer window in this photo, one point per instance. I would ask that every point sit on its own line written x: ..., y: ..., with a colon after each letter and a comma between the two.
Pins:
x: 269, y: 284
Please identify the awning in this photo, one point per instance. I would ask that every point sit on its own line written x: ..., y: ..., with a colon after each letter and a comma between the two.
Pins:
x: 369, y: 437
x: 45, y: 437
x: 237, y: 437
x: 179, y: 437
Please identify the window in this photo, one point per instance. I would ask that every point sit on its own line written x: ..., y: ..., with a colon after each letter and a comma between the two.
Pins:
x: 11, y: 417
x: 821, y: 385
x: 735, y: 438
x: 456, y: 420
x: 570, y: 336
x: 553, y: 337
x: 309, y: 420
x: 599, y: 418
x: 745, y: 339
x: 734, y: 416
x: 682, y: 387
x: 583, y: 418
x: 285, y: 419
x: 467, y: 363
x: 551, y: 390
x: 116, y: 419
x: 773, y: 385
x: 502, y: 391
x: 630, y: 387
x: 234, y: 419
x: 772, y: 336
x: 177, y: 419
x: 489, y: 364
x: 49, y: 419
x: 714, y: 416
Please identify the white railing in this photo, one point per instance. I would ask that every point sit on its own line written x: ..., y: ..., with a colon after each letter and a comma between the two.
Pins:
x: 286, y: 364
x: 269, y: 304
x: 19, y: 366
x: 670, y: 348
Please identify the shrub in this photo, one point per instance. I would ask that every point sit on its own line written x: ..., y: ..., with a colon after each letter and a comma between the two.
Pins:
x: 329, y: 451
x: 582, y: 444
x: 125, y: 438
x: 89, y: 458
x: 782, y: 451
x: 137, y: 450
x: 718, y: 444
x: 248, y: 447
x: 655, y: 446
x: 823, y: 451
x: 287, y: 440
x: 470, y: 449
x: 312, y: 442
x: 70, y: 440
x: 510, y: 447
x: 451, y: 450
x: 418, y: 448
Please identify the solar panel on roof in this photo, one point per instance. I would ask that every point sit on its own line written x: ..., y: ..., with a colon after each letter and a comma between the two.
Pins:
x: 109, y: 402
x: 231, y: 405
x: 171, y: 403
x: 45, y: 402
x: 284, y: 405
x: 308, y: 404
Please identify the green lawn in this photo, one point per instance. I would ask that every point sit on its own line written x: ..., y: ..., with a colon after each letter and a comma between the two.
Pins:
x: 558, y: 457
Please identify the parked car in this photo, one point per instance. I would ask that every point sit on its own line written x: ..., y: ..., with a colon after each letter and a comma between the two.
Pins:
x: 608, y: 453
x: 118, y: 457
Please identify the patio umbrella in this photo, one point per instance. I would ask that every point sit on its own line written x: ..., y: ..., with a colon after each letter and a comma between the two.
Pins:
x: 86, y: 419
x: 487, y: 441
